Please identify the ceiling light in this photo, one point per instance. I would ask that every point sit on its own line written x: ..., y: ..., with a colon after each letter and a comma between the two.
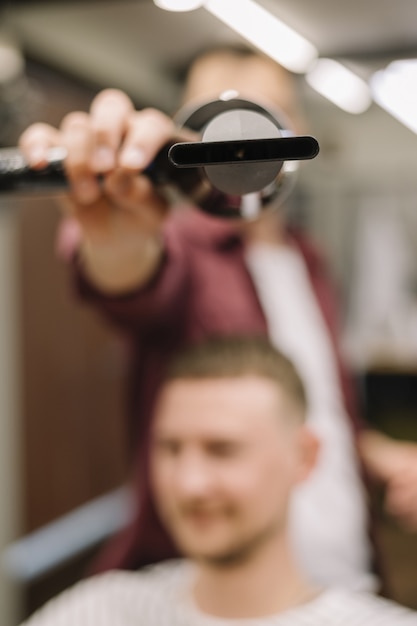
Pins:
x: 179, y: 5
x: 394, y: 90
x: 339, y: 85
x: 266, y: 32
x: 11, y: 62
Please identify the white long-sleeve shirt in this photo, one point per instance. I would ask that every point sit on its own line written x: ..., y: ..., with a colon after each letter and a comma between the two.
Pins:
x: 328, y: 517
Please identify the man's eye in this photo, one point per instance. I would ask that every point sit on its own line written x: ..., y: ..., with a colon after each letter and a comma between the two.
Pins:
x: 224, y: 449
x: 170, y: 448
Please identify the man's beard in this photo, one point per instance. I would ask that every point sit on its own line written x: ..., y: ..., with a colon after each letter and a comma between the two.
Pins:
x: 241, y: 552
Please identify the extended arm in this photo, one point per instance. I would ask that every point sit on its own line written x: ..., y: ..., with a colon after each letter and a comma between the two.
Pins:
x: 120, y: 219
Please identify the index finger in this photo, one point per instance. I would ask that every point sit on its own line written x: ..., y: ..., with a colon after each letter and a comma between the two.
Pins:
x: 110, y: 111
x: 35, y: 142
x: 148, y: 131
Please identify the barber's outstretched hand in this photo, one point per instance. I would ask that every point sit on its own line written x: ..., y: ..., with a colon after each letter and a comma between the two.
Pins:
x: 119, y: 218
x: 395, y: 464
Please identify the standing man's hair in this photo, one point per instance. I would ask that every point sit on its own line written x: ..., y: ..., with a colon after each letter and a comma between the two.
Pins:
x: 240, y: 62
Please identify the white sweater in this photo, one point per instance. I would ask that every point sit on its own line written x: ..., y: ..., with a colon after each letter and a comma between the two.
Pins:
x: 160, y: 596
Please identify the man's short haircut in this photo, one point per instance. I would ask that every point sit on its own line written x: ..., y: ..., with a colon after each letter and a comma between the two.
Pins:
x: 234, y: 357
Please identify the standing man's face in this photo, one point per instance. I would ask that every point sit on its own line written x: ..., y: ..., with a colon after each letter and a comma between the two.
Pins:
x: 225, y: 455
x: 254, y: 78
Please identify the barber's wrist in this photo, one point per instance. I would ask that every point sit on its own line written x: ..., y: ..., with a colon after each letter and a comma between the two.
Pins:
x: 116, y: 269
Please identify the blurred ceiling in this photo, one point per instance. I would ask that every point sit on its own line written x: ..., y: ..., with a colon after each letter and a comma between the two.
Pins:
x: 138, y: 47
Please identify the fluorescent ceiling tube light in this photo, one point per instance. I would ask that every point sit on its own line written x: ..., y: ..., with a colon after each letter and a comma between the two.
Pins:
x: 266, y: 32
x: 179, y: 5
x: 11, y: 62
x: 339, y: 85
x: 394, y: 89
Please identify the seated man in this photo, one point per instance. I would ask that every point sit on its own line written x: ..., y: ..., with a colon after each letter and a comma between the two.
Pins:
x: 229, y: 448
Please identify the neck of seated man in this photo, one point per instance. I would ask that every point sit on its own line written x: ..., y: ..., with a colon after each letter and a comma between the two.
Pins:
x: 256, y: 583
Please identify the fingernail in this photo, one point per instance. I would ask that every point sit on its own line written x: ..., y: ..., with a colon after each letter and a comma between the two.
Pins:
x: 86, y: 190
x: 134, y: 158
x: 103, y: 159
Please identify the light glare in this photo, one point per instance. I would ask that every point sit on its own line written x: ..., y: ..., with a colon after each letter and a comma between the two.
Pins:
x: 266, y: 32
x: 394, y: 89
x: 11, y: 62
x: 179, y: 5
x: 339, y: 85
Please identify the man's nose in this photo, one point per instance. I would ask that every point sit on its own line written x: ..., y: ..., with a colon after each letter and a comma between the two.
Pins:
x: 193, y: 474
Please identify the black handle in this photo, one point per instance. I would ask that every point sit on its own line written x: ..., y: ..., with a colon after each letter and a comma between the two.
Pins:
x: 200, y: 154
x: 16, y: 175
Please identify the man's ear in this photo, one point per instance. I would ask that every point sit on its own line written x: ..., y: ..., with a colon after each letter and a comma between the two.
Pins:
x: 309, y: 449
